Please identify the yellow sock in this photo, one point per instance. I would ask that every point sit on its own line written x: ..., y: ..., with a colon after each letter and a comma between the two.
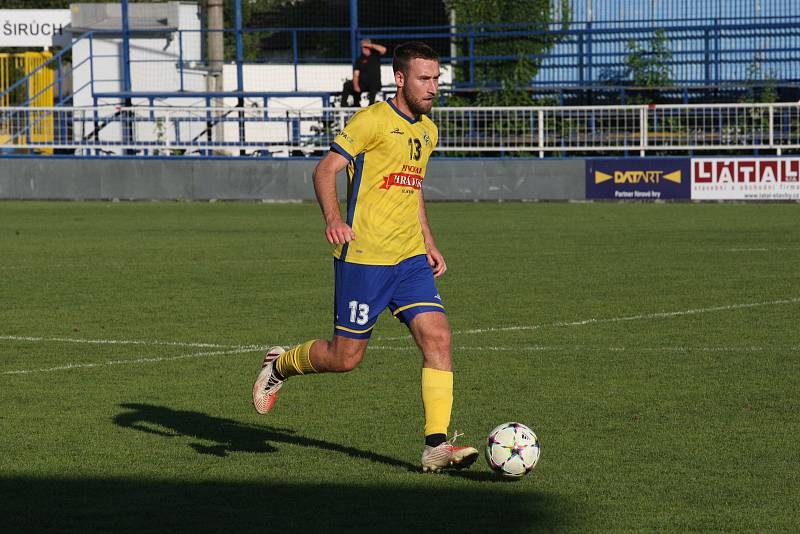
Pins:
x: 437, y: 399
x: 296, y: 361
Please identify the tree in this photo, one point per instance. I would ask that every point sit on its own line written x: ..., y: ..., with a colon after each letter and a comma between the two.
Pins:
x: 649, y: 66
x: 494, y: 27
x: 761, y: 85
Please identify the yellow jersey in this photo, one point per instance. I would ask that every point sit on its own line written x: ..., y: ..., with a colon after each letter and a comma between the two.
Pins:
x: 388, y: 153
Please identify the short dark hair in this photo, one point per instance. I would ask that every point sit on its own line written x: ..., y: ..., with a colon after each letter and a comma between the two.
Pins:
x: 404, y: 53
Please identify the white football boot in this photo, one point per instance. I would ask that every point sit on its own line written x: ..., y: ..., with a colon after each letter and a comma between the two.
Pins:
x: 448, y: 455
x: 265, y: 389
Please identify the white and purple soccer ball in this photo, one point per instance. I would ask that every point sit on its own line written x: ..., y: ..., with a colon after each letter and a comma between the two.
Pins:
x: 512, y: 450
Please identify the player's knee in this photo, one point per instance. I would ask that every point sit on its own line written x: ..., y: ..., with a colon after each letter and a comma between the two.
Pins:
x: 347, y: 358
x: 439, y: 340
x: 347, y: 362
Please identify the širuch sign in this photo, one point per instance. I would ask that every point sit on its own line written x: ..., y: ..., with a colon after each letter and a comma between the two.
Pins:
x: 34, y: 28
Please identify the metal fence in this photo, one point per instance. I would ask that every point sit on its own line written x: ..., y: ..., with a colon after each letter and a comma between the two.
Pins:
x: 505, y: 131
x: 589, y: 64
x: 667, y: 10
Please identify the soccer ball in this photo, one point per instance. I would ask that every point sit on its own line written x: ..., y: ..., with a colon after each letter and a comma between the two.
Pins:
x: 512, y: 450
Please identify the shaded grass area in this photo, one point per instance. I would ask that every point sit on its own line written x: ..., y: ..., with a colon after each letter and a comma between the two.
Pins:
x: 125, y: 505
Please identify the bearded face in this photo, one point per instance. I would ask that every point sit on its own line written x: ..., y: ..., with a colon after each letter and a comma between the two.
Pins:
x: 419, y: 85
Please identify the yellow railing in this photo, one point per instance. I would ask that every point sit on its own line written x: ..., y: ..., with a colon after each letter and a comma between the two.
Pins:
x: 38, y: 93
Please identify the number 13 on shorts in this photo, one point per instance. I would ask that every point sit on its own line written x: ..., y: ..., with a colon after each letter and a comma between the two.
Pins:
x: 359, y: 313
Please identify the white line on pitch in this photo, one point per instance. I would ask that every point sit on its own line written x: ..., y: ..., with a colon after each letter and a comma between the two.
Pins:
x: 115, y: 342
x: 659, y: 315
x: 69, y: 366
x: 244, y: 349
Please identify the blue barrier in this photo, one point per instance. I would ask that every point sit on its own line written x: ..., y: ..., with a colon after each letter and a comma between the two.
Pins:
x: 719, y: 53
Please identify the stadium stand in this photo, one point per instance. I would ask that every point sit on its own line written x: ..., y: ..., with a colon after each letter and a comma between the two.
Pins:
x: 138, y: 79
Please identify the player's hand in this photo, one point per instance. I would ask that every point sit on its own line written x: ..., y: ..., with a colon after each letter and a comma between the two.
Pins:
x: 436, y: 261
x: 339, y: 233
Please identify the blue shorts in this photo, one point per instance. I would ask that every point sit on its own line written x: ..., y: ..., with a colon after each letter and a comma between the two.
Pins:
x: 364, y: 291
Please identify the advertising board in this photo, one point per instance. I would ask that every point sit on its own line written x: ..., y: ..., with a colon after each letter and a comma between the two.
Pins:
x: 637, y: 179
x: 746, y: 179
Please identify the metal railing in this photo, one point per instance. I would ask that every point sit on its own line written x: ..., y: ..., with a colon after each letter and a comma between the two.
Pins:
x: 506, y: 131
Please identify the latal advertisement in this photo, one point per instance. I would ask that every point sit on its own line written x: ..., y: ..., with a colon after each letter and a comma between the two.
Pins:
x: 746, y: 178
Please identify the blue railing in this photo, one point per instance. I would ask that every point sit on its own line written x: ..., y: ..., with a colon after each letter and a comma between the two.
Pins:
x: 659, y: 11
x: 586, y: 54
x: 717, y: 53
x: 62, y: 71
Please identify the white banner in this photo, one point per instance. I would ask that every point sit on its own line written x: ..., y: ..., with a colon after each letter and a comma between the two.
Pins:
x: 42, y: 28
x: 746, y: 179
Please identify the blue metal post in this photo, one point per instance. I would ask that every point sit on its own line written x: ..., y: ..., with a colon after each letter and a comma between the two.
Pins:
x: 127, y: 127
x: 60, y: 82
x: 62, y: 138
x: 707, y: 57
x: 91, y: 63
x: 126, y: 55
x: 96, y: 125
x: 180, y: 56
x: 239, y: 48
x: 354, y: 48
x: 28, y: 116
x: 581, y: 67
x: 471, y: 49
x: 239, y: 73
x: 717, y: 44
x: 589, y: 58
x: 209, y: 127
x: 295, y: 56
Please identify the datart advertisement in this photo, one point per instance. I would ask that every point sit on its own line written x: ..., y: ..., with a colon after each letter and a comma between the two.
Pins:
x: 637, y: 179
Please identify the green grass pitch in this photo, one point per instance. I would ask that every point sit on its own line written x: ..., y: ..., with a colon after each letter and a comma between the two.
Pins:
x: 654, y: 348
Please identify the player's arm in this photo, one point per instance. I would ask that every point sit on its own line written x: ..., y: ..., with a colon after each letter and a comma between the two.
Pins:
x: 356, y: 82
x: 435, y: 258
x: 337, y: 232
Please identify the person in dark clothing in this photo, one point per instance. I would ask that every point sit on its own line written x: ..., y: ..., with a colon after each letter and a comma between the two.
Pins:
x: 367, y: 70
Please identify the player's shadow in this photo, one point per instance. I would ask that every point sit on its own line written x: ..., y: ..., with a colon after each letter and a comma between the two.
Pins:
x: 227, y: 435
x: 97, y: 503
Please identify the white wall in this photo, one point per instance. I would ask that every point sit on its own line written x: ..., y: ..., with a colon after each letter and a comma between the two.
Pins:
x: 154, y: 65
x: 312, y: 78
x: 154, y: 61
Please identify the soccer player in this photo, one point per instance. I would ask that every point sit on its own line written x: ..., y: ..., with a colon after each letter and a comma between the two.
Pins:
x: 385, y: 254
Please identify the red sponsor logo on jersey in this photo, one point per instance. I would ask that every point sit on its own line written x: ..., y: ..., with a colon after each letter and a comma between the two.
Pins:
x: 746, y: 171
x: 411, y: 176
